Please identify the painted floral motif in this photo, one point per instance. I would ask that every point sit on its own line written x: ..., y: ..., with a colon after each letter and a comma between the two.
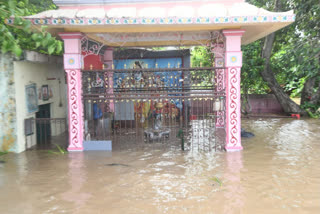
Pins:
x: 130, y: 21
x: 166, y: 21
x: 222, y: 20
x: 9, y: 21
x: 71, y: 61
x: 40, y: 21
x: 219, y: 62
x: 94, y: 21
x: 148, y: 21
x: 203, y: 20
x: 260, y: 18
x: 241, y: 19
x: 233, y: 59
x: 112, y: 21
x: 77, y: 21
x: 279, y: 18
x: 58, y: 21
x: 185, y: 20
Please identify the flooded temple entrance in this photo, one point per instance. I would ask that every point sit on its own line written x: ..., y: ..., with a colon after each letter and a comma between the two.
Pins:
x: 143, y: 103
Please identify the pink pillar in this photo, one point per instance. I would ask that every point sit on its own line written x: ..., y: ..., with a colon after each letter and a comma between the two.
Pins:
x: 108, y: 61
x: 72, y: 65
x: 220, y: 80
x: 233, y: 63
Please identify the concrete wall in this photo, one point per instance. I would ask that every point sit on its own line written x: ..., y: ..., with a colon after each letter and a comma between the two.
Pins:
x: 264, y: 103
x: 15, y: 75
x: 8, y: 123
x: 41, y: 71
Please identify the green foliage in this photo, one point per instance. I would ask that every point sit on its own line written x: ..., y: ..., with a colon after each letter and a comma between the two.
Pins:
x: 296, y: 55
x: 251, y: 80
x: 296, y: 50
x: 3, y: 153
x: 201, y: 57
x: 312, y: 109
x: 21, y: 35
x: 59, y: 152
x: 216, y: 179
x: 253, y: 63
x: 297, y: 63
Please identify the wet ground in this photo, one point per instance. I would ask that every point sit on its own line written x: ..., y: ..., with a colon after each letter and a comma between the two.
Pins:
x: 277, y: 172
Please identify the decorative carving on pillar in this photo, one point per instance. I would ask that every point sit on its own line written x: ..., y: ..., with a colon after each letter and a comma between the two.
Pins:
x: 72, y: 64
x: 233, y: 64
x: 220, y: 77
x: 220, y: 87
x: 220, y: 119
x: 218, y: 49
x: 75, y: 109
x: 233, y: 95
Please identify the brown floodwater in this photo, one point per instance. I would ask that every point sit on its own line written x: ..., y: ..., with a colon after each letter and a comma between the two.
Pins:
x: 277, y: 172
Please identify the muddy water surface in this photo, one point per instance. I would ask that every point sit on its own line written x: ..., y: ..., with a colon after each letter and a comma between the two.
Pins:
x: 277, y: 172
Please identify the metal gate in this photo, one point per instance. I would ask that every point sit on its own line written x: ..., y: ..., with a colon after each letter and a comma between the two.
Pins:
x: 167, y: 106
x: 45, y: 133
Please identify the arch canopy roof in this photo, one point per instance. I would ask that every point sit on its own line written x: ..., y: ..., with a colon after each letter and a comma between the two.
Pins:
x: 159, y: 22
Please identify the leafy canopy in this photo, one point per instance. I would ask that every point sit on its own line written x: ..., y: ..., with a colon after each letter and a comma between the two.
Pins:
x: 21, y: 35
x: 296, y: 50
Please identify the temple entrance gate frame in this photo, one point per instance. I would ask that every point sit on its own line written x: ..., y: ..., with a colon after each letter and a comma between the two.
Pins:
x: 116, y: 24
x: 73, y: 60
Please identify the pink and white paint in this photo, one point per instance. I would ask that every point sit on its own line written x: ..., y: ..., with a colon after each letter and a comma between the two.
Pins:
x: 228, y: 78
x: 219, y: 53
x: 72, y: 66
x: 233, y: 64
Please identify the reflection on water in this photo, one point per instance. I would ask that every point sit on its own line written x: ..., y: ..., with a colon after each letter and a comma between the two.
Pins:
x: 234, y: 191
x: 77, y: 178
x: 277, y: 172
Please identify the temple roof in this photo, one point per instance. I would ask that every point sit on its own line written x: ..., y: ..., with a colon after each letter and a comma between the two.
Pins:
x: 105, y: 19
x: 100, y: 2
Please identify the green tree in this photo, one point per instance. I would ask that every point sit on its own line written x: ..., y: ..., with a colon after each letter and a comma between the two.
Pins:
x: 201, y: 56
x: 287, y: 62
x: 291, y: 55
x: 20, y: 34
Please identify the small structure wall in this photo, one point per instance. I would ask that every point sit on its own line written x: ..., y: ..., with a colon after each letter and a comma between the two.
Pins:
x: 8, y: 122
x: 264, y: 103
x: 37, y: 69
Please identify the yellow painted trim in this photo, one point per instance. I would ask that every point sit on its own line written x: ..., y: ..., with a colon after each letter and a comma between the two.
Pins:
x: 153, y: 28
